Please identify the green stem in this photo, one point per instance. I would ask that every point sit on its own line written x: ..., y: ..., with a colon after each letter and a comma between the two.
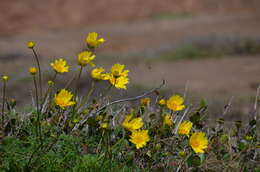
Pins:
x: 39, y: 73
x: 86, y: 99
x: 48, y: 90
x: 38, y: 125
x: 77, y: 82
x: 3, y: 106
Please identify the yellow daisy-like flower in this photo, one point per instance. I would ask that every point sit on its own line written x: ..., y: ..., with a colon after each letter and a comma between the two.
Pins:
x: 145, y: 101
x: 198, y: 142
x: 33, y: 70
x: 162, y: 102
x: 5, y: 78
x: 167, y: 120
x: 97, y: 74
x: 184, y: 128
x: 63, y: 99
x: 104, y: 125
x: 131, y: 123
x: 93, y: 41
x: 139, y: 138
x: 119, y: 82
x: 175, y: 103
x: 117, y: 70
x: 60, y: 66
x: 31, y: 44
x: 86, y: 57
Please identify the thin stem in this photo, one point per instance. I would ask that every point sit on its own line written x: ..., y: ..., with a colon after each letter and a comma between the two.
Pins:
x: 39, y: 73
x: 86, y: 99
x: 47, y: 92
x: 94, y: 113
x: 38, y: 127
x: 3, y: 106
x: 77, y: 82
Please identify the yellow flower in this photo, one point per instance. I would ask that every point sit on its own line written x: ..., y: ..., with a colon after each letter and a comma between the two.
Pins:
x: 104, y: 125
x: 145, y: 101
x: 167, y: 120
x: 139, y: 138
x: 185, y: 128
x: 33, y: 70
x: 63, y: 98
x: 119, y: 82
x: 198, y: 142
x: 117, y: 70
x: 175, y: 103
x: 93, y: 41
x: 162, y: 102
x: 98, y: 74
x: 5, y: 78
x: 131, y: 123
x: 60, y: 66
x: 85, y: 58
x: 30, y: 44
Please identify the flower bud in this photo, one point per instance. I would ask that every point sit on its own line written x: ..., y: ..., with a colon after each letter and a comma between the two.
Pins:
x: 5, y: 78
x: 33, y: 70
x: 30, y: 44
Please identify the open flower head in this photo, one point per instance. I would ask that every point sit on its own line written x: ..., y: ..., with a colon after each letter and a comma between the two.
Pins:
x: 118, y: 70
x: 33, y: 70
x: 139, y: 138
x: 104, y: 125
x: 5, y: 78
x: 86, y: 58
x: 185, y: 127
x: 98, y: 74
x: 145, y: 101
x: 198, y: 141
x: 31, y: 44
x: 131, y: 123
x: 167, y: 120
x: 63, y: 99
x: 119, y: 82
x: 175, y: 103
x: 60, y: 66
x: 93, y: 41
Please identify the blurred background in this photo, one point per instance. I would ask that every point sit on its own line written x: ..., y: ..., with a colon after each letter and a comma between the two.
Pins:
x: 210, y: 47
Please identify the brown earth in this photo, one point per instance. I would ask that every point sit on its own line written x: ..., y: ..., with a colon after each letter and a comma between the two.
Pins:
x: 59, y: 30
x: 29, y: 16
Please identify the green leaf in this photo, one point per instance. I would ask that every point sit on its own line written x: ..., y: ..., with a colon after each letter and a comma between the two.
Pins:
x: 193, y: 161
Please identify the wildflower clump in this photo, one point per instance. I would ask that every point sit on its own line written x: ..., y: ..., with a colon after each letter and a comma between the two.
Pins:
x: 64, y: 99
x: 75, y: 121
x: 60, y: 66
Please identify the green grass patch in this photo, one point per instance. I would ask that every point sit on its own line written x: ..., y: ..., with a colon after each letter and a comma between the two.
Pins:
x: 198, y: 51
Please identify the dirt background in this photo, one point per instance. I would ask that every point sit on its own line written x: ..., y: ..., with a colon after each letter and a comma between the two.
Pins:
x: 135, y: 32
